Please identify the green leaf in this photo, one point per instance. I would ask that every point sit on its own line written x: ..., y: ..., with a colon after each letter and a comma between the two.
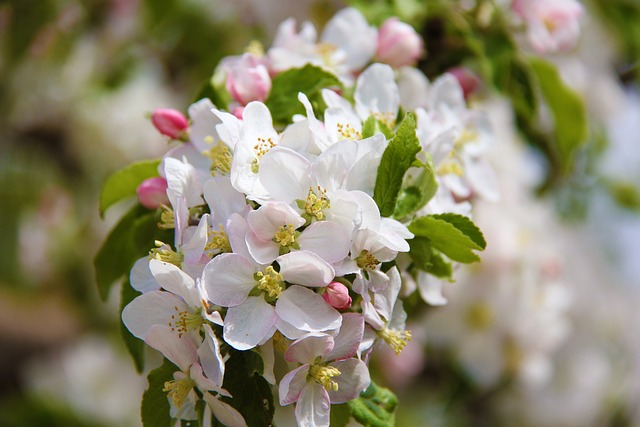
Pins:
x: 155, y: 405
x: 372, y: 126
x: 420, y: 252
x: 375, y: 407
x: 439, y: 267
x: 418, y: 194
x: 454, y: 235
x: 568, y: 109
x: 310, y: 80
x: 252, y: 395
x: 340, y: 415
x: 134, y: 345
x: 396, y: 160
x: 129, y: 240
x: 124, y: 182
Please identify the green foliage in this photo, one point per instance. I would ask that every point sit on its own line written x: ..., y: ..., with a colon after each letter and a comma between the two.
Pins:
x: 372, y: 126
x: 155, y: 405
x: 252, y: 395
x: 340, y: 415
x: 129, y: 240
x: 428, y: 259
x: 397, y: 158
x: 133, y: 344
x: 454, y: 235
x: 124, y: 182
x: 567, y: 107
x: 310, y: 80
x: 375, y: 407
x: 19, y: 411
x: 418, y: 192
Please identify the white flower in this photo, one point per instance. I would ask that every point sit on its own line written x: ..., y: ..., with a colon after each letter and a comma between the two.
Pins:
x: 259, y: 301
x: 329, y: 374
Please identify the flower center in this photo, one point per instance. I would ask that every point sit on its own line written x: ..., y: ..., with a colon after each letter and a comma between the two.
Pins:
x: 323, y: 375
x: 270, y: 282
x: 260, y: 149
x: 185, y: 321
x: 315, y: 204
x: 285, y: 236
x: 347, y: 131
x: 366, y: 260
x: 396, y: 339
x: 220, y: 156
x: 326, y: 51
x: 219, y: 241
x: 163, y: 252
x: 467, y: 135
x: 388, y: 119
x: 178, y: 390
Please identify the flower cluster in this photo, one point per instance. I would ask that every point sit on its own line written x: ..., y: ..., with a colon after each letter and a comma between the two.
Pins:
x: 286, y: 238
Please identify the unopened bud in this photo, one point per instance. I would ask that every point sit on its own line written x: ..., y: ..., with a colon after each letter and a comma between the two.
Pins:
x: 170, y: 122
x: 398, y: 44
x: 337, y: 296
x: 468, y: 81
x: 248, y: 80
x: 152, y: 192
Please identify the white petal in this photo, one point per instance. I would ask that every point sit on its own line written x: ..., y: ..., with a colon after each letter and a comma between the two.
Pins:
x: 268, y: 356
x: 446, y: 92
x: 307, y: 348
x: 224, y: 412
x: 377, y: 92
x: 349, y: 30
x: 431, y: 289
x: 246, y: 325
x: 306, y: 310
x: 327, y: 239
x: 305, y: 268
x: 413, y: 87
x: 176, y: 281
x: 223, y: 200
x: 262, y: 251
x: 285, y: 174
x: 181, y: 350
x: 141, y: 278
x: 353, y: 379
x: 182, y: 179
x: 292, y: 384
x: 151, y: 308
x: 385, y: 300
x: 210, y: 357
x: 348, y: 340
x: 203, y: 124
x: 193, y: 248
x: 228, y: 279
x: 313, y: 407
x: 268, y: 219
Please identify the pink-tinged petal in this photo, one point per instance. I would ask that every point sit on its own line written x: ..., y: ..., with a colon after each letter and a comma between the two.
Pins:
x: 224, y: 412
x: 223, y: 200
x: 194, y: 247
x: 141, y: 278
x: 353, y: 379
x: 229, y: 129
x: 202, y: 382
x: 210, y: 357
x: 268, y: 219
x: 285, y: 174
x: 262, y: 251
x: 385, y: 300
x: 246, y: 325
x: 288, y: 330
x: 175, y: 281
x: 327, y: 239
x: 181, y: 350
x: 307, y: 311
x: 228, y: 279
x: 307, y: 348
x: 237, y: 229
x: 349, y: 338
x: 371, y: 316
x: 151, y: 308
x: 313, y: 407
x: 305, y: 268
x: 202, y: 132
x: 292, y: 384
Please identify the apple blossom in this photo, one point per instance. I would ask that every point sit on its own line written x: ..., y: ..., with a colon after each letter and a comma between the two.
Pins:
x: 170, y: 122
x: 398, y: 44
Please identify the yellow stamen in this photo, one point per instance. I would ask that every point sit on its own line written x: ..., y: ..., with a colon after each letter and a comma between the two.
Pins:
x: 219, y: 241
x: 163, y: 252
x: 285, y: 236
x: 255, y: 48
x: 388, y: 119
x: 270, y: 282
x: 397, y: 340
x: 323, y: 375
x: 221, y: 158
x: 167, y: 218
x: 366, y: 260
x: 260, y: 149
x: 314, y: 204
x: 347, y: 131
x: 178, y: 390
x: 185, y: 321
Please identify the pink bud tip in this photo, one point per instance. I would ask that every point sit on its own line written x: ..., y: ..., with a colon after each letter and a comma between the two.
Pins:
x: 469, y: 82
x: 337, y: 295
x: 398, y: 44
x: 152, y: 192
x: 170, y: 122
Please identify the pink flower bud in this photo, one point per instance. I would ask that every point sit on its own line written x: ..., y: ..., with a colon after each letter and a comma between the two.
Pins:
x: 170, y: 122
x: 469, y: 82
x: 248, y: 79
x: 337, y: 295
x: 152, y: 192
x: 398, y: 44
